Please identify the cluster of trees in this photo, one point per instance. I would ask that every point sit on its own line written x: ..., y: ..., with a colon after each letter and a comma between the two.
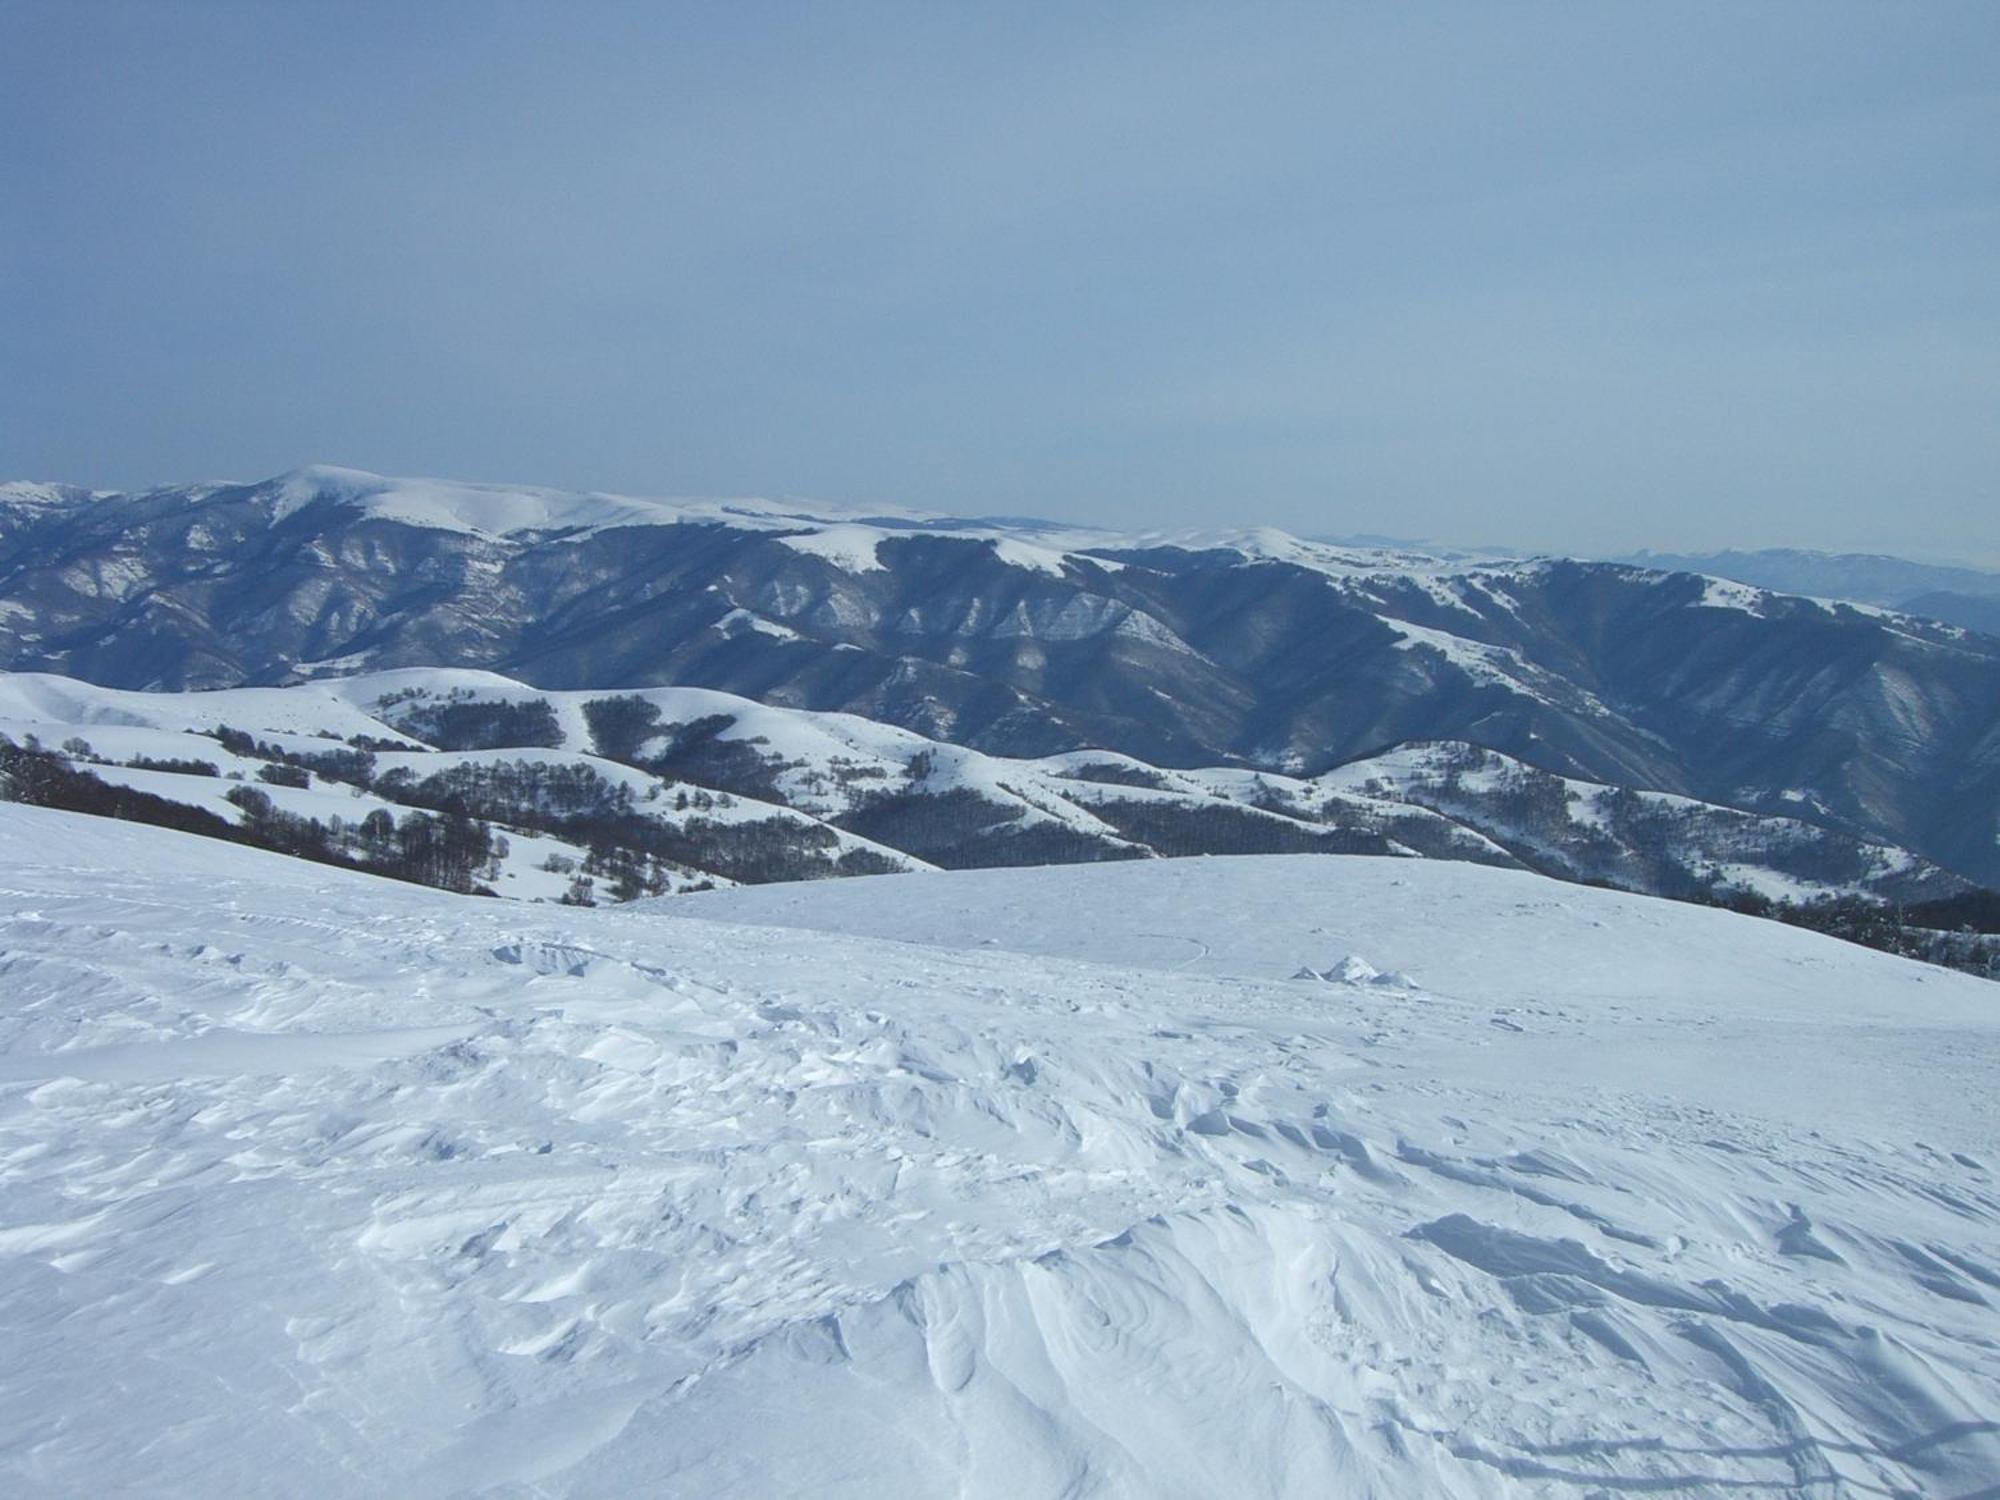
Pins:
x: 530, y: 794
x: 625, y: 728
x: 352, y: 765
x: 1924, y: 931
x: 463, y: 722
x: 621, y: 726
x: 449, y: 852
x: 174, y: 764
x: 1969, y: 911
x: 1115, y: 773
x: 959, y: 830
x: 573, y: 801
x: 78, y: 748
x: 840, y: 772
x: 43, y: 778
x: 1179, y: 829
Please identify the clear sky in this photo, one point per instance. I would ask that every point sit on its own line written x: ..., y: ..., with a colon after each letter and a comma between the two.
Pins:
x: 1586, y: 276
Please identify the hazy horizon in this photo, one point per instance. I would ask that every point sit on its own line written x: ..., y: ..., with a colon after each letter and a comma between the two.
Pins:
x: 1357, y: 538
x: 1544, y: 277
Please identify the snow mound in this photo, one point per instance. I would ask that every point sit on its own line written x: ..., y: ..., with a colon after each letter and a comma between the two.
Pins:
x: 852, y: 548
x: 1354, y: 969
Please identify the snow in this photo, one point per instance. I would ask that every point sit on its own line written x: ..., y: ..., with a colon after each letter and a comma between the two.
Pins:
x: 1019, y: 554
x: 1476, y: 658
x: 1485, y: 663
x: 27, y: 493
x: 1446, y: 593
x: 1268, y: 544
x: 499, y: 510
x: 851, y: 548
x: 1774, y: 885
x: 843, y: 535
x: 737, y: 621
x: 989, y: 1184
x: 305, y: 711
x: 1726, y: 593
x: 334, y: 666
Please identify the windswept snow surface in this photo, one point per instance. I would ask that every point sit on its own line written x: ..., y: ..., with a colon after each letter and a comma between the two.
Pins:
x: 1010, y: 1183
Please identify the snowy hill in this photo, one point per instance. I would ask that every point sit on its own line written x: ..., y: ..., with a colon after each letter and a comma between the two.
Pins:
x: 1005, y: 1183
x: 702, y: 786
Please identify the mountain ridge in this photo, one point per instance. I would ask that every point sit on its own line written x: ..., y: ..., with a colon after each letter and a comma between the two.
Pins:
x: 1956, y: 594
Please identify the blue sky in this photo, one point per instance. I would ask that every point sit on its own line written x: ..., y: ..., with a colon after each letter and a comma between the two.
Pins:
x: 1570, y: 276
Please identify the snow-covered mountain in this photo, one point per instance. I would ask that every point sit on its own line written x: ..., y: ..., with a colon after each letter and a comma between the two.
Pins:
x: 1000, y: 1183
x: 608, y: 796
x: 1027, y: 639
x: 1959, y: 596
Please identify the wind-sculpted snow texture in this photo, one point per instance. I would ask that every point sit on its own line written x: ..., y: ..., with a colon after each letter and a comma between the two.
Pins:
x: 1009, y: 1183
x: 1026, y: 639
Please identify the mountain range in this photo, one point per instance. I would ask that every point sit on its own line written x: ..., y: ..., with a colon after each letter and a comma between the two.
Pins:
x: 1023, y: 638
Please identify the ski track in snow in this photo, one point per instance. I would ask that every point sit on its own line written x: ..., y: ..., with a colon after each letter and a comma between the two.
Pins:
x: 316, y: 1183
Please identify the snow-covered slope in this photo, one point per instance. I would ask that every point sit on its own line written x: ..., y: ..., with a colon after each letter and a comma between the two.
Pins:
x: 795, y: 793
x: 1013, y: 1183
x: 1646, y: 841
x: 895, y: 799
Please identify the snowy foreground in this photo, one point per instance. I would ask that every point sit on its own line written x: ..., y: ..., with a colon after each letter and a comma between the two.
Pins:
x: 1014, y: 1183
